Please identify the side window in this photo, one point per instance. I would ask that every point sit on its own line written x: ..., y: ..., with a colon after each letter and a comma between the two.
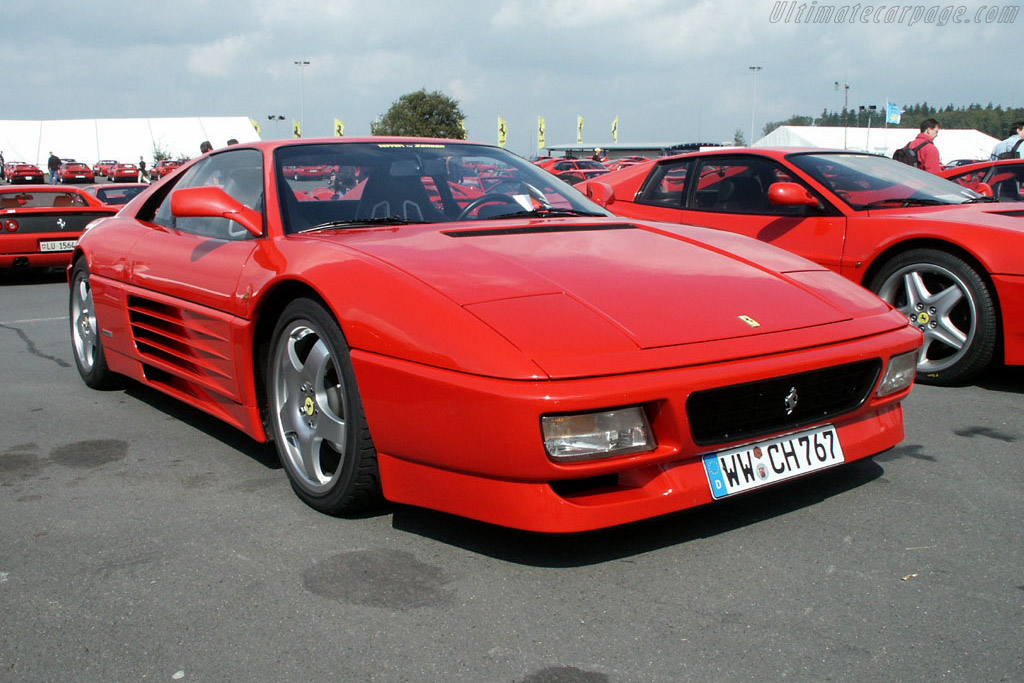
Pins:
x: 740, y: 185
x: 239, y: 173
x: 667, y: 185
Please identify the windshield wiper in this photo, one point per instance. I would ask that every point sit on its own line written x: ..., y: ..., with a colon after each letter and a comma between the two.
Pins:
x: 904, y: 201
x: 361, y: 223
x: 982, y: 198
x: 547, y: 212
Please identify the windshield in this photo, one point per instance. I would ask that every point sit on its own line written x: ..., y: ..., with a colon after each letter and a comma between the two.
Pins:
x: 329, y: 185
x: 868, y: 181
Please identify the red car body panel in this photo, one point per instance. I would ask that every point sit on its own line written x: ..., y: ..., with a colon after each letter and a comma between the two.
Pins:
x: 855, y: 243
x: 488, y: 325
x: 39, y: 224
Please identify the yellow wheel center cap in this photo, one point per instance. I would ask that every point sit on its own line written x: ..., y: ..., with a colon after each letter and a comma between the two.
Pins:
x: 923, y: 318
x: 308, y: 407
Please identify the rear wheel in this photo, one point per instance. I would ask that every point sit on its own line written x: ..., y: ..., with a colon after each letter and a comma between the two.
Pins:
x: 316, y: 414
x: 86, y: 341
x: 950, y: 302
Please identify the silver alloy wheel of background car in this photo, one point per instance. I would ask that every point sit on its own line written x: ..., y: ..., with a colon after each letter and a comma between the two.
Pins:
x: 308, y: 407
x: 949, y: 302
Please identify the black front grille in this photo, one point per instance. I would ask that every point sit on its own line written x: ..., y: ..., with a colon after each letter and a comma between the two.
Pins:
x: 745, y: 411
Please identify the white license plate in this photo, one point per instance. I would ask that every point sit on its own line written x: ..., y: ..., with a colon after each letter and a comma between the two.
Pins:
x: 772, y: 460
x: 57, y: 245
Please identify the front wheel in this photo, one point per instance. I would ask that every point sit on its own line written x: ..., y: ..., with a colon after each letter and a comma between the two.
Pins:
x: 86, y: 341
x: 951, y: 303
x: 316, y: 415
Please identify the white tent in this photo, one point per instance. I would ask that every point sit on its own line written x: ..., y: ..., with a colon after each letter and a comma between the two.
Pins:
x: 952, y: 144
x: 89, y: 140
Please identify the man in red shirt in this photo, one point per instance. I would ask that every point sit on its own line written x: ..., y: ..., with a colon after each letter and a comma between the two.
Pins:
x: 924, y: 145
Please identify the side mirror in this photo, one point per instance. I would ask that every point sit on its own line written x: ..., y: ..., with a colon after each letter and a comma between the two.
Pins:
x: 984, y: 189
x: 791, y: 194
x: 213, y: 202
x: 601, y: 193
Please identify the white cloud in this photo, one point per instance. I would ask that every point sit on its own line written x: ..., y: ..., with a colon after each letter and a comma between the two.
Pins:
x: 218, y: 59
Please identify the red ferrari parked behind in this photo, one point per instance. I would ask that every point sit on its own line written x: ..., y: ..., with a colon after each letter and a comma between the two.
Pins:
x: 521, y: 358
x: 948, y: 258
x: 20, y: 172
x: 124, y: 173
x: 75, y: 172
x: 1003, y: 178
x: 39, y: 224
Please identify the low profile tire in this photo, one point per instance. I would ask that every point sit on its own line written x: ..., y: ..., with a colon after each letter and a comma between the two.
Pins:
x: 86, y: 340
x: 948, y: 300
x: 316, y: 415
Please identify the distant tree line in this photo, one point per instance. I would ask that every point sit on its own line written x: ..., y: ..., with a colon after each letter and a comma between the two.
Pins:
x: 991, y: 119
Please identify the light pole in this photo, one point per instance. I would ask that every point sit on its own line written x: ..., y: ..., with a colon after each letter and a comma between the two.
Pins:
x: 846, y: 103
x: 753, y: 102
x: 870, y: 110
x: 275, y: 118
x: 302, y: 93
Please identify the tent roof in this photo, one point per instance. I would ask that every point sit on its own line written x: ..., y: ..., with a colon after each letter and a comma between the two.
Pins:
x: 89, y: 140
x: 951, y: 143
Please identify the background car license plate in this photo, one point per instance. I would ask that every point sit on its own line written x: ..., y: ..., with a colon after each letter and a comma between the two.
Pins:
x: 57, y: 245
x: 766, y: 462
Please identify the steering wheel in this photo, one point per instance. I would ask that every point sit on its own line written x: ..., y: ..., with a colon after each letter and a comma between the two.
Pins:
x: 493, y: 198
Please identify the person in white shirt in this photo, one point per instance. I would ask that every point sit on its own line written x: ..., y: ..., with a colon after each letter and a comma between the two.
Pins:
x: 1012, y: 144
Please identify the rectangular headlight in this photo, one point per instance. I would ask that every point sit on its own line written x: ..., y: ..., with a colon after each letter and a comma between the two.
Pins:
x: 586, y: 436
x: 899, y: 374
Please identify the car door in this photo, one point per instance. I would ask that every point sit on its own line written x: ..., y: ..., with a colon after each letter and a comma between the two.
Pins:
x: 185, y: 311
x: 199, y: 260
x: 730, y: 192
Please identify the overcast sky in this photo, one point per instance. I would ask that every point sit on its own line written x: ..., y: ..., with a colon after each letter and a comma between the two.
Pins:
x: 670, y: 70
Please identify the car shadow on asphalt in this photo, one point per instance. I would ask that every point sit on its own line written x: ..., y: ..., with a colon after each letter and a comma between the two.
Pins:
x: 263, y: 453
x: 577, y: 550
x: 1003, y: 378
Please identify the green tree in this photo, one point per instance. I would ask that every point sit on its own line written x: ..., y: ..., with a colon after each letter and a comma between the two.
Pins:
x: 739, y: 139
x: 422, y: 114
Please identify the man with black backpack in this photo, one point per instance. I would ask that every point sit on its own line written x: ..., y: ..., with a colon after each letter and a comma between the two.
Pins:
x: 1010, y: 147
x: 920, y: 152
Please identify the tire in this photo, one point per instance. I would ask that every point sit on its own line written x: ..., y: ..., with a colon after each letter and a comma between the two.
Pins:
x: 86, y: 340
x: 948, y: 300
x: 315, y: 413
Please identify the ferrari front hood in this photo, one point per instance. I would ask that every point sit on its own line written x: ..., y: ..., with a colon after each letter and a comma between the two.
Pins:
x: 607, y: 286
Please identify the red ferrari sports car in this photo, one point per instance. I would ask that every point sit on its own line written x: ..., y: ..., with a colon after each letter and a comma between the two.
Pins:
x: 1004, y: 179
x: 164, y: 167
x: 521, y: 358
x: 124, y: 173
x: 574, y: 171
x: 75, y: 172
x: 39, y: 224
x: 102, y: 167
x: 22, y: 173
x: 948, y: 258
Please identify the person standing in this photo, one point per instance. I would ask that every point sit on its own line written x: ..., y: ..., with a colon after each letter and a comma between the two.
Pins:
x: 53, y: 165
x: 1010, y: 147
x: 3, y: 170
x: 142, y: 170
x: 924, y: 146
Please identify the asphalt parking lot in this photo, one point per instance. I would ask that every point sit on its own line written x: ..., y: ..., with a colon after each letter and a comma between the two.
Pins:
x: 143, y: 540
